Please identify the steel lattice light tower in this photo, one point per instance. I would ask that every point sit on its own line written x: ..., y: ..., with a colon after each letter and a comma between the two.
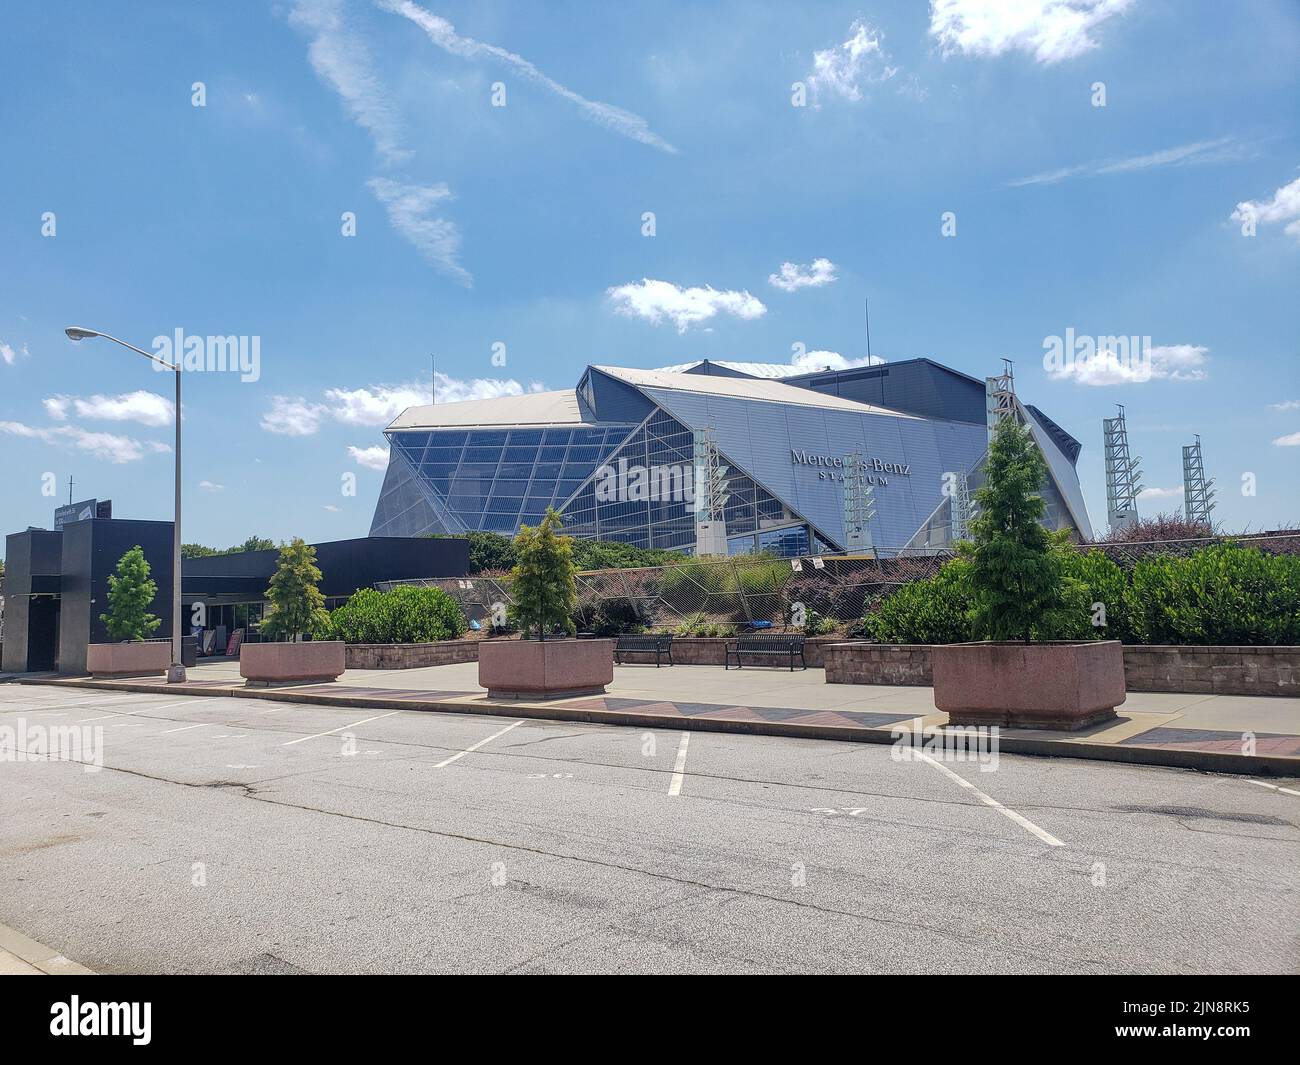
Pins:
x: 1123, y: 475
x: 711, y: 496
x: 1000, y: 392
x: 859, y: 504
x: 1198, y: 492
x: 960, y: 504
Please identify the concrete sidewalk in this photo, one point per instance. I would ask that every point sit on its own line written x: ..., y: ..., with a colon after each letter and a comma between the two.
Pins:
x: 1219, y: 733
x: 22, y: 956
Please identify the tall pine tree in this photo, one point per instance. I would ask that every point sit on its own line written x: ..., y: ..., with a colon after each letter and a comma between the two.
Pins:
x: 297, y: 605
x: 1015, y: 574
x: 542, y: 581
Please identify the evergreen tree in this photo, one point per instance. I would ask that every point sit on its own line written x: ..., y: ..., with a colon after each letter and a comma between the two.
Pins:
x: 297, y: 607
x: 130, y: 594
x: 1015, y: 574
x: 542, y: 581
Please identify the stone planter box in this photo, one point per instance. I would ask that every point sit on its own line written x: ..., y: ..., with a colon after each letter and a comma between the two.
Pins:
x: 410, y: 655
x: 545, y: 669
x: 291, y: 663
x: 1047, y: 685
x: 135, y: 658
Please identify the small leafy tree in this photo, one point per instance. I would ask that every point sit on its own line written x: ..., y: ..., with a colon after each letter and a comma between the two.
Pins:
x: 297, y: 605
x: 1015, y: 574
x: 130, y: 594
x: 542, y: 581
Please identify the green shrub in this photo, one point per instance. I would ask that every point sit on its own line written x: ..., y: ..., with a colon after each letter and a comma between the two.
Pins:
x: 702, y: 625
x: 933, y: 610
x: 1088, y: 579
x: 297, y: 607
x: 1224, y: 594
x: 542, y: 581
x: 406, y: 614
x: 612, y: 617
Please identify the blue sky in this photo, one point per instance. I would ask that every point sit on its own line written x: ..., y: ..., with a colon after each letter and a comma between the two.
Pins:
x: 128, y: 209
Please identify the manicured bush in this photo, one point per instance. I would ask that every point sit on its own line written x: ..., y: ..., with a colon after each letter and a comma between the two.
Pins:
x: 1224, y: 594
x: 700, y: 624
x: 932, y: 610
x: 1094, y: 605
x: 406, y: 614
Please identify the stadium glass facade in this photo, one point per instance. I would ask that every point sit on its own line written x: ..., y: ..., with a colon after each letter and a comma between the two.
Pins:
x: 493, y: 465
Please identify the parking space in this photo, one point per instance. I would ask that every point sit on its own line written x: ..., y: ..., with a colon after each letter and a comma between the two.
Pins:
x: 229, y: 834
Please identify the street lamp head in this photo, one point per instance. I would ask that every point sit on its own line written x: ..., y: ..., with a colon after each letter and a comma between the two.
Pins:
x: 76, y: 332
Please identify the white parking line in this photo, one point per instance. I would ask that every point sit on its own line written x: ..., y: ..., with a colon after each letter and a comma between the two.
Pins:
x: 988, y: 800
x: 467, y: 750
x: 184, y: 728
x: 679, y: 768
x: 304, y: 739
x: 87, y: 720
x: 1274, y: 787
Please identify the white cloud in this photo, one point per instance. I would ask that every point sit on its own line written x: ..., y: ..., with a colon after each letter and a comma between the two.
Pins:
x: 1286, y: 404
x: 340, y: 58
x: 209, y: 486
x: 1290, y: 440
x: 332, y: 508
x: 110, y: 446
x: 1283, y: 207
x: 147, y: 408
x: 410, y: 210
x: 444, y: 35
x: 1199, y: 153
x: 656, y: 300
x: 293, y: 416
x: 1174, y: 362
x: 844, y: 69
x: 1160, y: 493
x: 372, y: 458
x: 9, y: 355
x: 377, y: 405
x: 1050, y: 30
x: 811, y: 361
x: 795, y: 276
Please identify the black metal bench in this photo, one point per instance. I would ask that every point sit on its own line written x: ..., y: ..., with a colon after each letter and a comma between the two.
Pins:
x: 644, y: 645
x: 767, y: 645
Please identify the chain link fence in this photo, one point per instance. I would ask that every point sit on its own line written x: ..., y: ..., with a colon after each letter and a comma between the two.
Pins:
x: 717, y: 596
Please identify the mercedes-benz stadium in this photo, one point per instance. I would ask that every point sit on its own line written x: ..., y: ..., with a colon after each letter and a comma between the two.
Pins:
x: 920, y: 431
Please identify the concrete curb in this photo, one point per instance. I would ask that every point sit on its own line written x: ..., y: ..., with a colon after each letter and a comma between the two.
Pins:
x: 1172, y: 758
x: 46, y: 961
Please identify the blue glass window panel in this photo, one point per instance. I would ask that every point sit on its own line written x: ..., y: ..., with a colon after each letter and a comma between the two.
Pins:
x: 483, y: 454
x: 567, y: 488
x: 442, y: 454
x: 504, y: 506
x: 530, y: 437
x: 502, y: 523
x: 581, y: 471
x: 588, y: 436
x: 532, y: 517
x: 449, y: 438
x: 556, y: 436
x: 487, y: 438
x: 516, y: 471
x: 546, y: 471
x: 510, y: 488
x: 551, y: 454
x: 519, y: 454
x: 586, y: 453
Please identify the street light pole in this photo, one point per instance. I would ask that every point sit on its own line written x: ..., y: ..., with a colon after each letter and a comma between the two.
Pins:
x: 176, y: 671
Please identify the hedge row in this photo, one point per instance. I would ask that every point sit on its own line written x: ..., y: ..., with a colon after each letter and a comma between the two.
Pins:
x: 406, y: 614
x: 1224, y: 595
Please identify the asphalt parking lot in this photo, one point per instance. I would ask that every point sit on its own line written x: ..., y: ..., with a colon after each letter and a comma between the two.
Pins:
x: 236, y: 835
